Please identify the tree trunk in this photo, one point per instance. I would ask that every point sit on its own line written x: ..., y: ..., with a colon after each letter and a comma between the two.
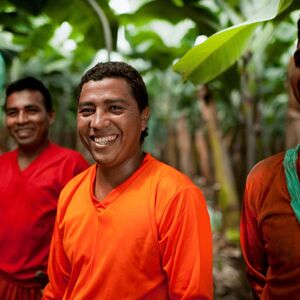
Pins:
x: 203, y: 155
x: 170, y: 153
x: 248, y: 109
x: 184, y: 144
x: 227, y: 195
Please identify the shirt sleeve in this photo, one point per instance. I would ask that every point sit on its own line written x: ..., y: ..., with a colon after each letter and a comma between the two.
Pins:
x: 185, y: 242
x: 252, y: 242
x: 58, y: 269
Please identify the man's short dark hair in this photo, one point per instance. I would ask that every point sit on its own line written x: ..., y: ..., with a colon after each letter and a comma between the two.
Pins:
x: 32, y: 84
x: 297, y: 52
x: 123, y: 70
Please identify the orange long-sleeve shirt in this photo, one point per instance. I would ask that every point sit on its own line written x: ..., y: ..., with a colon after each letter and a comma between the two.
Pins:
x: 150, y: 238
x: 270, y: 233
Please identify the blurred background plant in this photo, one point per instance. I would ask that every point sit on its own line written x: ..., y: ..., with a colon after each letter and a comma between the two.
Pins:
x: 213, y: 130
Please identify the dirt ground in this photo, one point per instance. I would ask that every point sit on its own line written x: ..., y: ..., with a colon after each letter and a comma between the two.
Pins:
x: 230, y: 282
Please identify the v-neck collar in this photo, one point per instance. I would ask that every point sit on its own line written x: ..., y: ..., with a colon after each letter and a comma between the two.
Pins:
x: 118, y: 190
x: 33, y: 163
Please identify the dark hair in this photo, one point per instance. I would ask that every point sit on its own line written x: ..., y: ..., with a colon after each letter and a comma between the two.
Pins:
x: 298, y: 25
x: 120, y: 70
x: 33, y: 84
x: 297, y: 52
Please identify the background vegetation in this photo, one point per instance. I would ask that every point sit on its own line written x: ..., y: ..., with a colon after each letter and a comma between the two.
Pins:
x: 214, y: 130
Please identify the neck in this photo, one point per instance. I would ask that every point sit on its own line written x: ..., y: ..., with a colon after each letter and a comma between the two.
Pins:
x: 27, y: 155
x: 109, y: 178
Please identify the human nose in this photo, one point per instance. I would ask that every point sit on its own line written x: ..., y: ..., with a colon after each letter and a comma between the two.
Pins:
x: 22, y: 117
x: 99, y: 120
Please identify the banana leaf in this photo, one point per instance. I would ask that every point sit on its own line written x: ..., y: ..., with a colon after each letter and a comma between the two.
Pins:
x: 220, y: 51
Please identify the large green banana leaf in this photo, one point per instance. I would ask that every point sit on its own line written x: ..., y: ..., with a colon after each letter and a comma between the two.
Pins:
x: 221, y: 50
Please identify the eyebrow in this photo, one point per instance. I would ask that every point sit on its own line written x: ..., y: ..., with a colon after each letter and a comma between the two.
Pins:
x: 26, y: 107
x: 81, y: 104
x: 107, y: 101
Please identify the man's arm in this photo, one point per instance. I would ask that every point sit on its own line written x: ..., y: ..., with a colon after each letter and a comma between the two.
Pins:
x: 252, y: 244
x: 185, y: 241
x: 58, y: 269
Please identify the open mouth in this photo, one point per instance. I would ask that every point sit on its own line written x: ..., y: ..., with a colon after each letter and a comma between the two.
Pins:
x: 102, y: 141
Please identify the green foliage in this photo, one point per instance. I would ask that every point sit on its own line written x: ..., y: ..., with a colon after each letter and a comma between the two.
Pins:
x: 33, y: 7
x: 209, y: 59
x: 149, y: 44
x: 32, y: 45
x: 215, y: 55
x: 28, y: 45
x: 233, y: 235
x: 168, y: 96
x: 174, y: 12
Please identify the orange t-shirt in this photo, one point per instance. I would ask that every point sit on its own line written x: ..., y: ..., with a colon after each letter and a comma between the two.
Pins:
x: 270, y: 233
x: 149, y: 238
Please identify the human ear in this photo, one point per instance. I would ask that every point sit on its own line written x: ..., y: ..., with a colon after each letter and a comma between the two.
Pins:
x: 145, y: 117
x: 51, y: 116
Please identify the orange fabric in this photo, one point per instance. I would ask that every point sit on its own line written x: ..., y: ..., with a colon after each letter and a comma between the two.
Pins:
x: 150, y: 238
x: 270, y: 233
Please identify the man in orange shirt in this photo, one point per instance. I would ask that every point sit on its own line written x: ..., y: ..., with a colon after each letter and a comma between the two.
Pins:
x: 129, y: 227
x: 270, y: 229
x: 31, y: 178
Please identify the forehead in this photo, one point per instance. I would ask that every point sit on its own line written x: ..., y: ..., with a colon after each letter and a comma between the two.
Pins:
x: 107, y: 88
x: 19, y: 99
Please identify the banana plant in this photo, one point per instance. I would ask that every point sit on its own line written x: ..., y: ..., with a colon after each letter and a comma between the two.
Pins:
x: 220, y: 51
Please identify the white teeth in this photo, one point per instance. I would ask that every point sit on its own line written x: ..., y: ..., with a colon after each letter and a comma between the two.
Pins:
x: 105, y: 140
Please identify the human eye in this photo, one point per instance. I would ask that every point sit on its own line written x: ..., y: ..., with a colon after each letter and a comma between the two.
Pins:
x: 11, y: 112
x: 116, y: 109
x: 32, y: 110
x: 86, y: 110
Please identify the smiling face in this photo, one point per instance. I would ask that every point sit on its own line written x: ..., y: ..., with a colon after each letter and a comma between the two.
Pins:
x: 27, y: 120
x: 110, y: 123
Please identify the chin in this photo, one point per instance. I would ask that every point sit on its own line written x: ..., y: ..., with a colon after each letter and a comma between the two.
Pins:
x: 104, y: 161
x: 25, y: 143
x: 99, y: 159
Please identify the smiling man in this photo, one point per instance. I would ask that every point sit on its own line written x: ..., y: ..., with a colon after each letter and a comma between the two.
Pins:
x: 31, y: 178
x: 270, y: 219
x: 130, y: 227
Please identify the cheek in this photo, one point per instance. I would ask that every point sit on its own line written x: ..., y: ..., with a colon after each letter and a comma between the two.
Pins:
x: 8, y: 123
x: 295, y: 82
x: 43, y: 125
x: 132, y: 127
x: 82, y: 125
x: 79, y: 129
